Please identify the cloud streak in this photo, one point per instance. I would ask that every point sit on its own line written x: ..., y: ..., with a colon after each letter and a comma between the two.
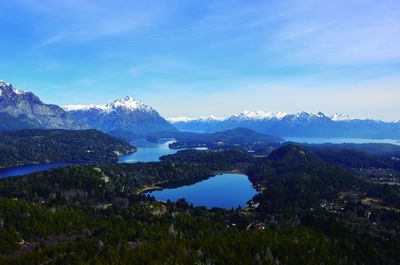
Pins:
x: 175, y: 52
x: 82, y: 21
x: 314, y: 31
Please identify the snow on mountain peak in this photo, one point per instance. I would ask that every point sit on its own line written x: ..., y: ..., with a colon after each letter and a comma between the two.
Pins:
x: 253, y: 115
x: 188, y: 119
x: 82, y: 107
x: 259, y: 115
x: 179, y: 119
x: 128, y: 103
x: 264, y: 115
x: 7, y: 87
x: 340, y: 117
x: 305, y: 114
x: 3, y: 83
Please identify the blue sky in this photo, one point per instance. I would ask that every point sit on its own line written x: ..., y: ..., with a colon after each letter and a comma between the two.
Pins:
x: 191, y: 58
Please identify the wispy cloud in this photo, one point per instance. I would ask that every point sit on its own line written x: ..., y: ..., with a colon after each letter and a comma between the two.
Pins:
x: 82, y: 21
x: 344, y: 33
x: 313, y: 31
x: 181, y: 55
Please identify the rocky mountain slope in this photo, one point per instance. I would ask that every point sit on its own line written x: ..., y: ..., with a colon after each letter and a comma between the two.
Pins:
x: 21, y: 110
x: 121, y: 117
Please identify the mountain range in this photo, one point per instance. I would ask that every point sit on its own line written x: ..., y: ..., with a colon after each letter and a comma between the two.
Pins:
x: 303, y: 124
x: 127, y: 116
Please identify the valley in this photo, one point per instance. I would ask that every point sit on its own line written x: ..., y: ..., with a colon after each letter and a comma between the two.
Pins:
x: 116, y: 184
x: 301, y: 197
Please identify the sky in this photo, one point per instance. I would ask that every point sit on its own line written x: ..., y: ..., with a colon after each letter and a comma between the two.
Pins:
x: 198, y: 58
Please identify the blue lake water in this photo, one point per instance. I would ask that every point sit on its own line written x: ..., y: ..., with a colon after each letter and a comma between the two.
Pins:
x: 151, y: 152
x: 340, y: 140
x: 223, y: 191
x: 27, y: 169
x: 148, y: 151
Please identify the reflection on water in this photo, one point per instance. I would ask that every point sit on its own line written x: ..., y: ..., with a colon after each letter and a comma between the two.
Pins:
x: 223, y: 191
x: 148, y: 151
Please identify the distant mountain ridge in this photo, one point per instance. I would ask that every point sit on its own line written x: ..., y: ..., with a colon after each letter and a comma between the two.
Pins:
x: 264, y: 115
x: 127, y: 116
x: 302, y: 124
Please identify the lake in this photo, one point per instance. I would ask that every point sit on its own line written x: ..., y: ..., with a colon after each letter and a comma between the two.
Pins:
x: 223, y: 191
x: 27, y: 169
x: 151, y: 152
x: 148, y: 151
x: 340, y: 140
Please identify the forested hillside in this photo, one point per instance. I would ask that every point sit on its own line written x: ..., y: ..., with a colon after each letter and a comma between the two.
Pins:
x: 307, y: 212
x: 44, y: 146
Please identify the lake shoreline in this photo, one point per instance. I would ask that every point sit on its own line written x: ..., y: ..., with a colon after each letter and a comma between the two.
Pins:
x: 147, y: 189
x: 37, y: 166
x: 26, y: 169
x: 159, y: 185
x: 224, y: 189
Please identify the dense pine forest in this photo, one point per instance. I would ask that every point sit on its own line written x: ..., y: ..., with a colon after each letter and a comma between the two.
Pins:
x: 44, y: 146
x: 308, y: 211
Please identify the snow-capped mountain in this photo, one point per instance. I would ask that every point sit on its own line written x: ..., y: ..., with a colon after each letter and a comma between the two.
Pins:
x: 20, y: 109
x: 128, y: 117
x: 121, y: 115
x: 127, y: 104
x: 259, y: 115
x: 202, y: 124
x: 124, y: 117
x: 341, y: 117
x: 187, y: 119
x: 302, y: 124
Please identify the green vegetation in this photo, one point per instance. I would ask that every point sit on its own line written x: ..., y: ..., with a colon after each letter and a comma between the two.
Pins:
x: 379, y: 163
x: 358, y: 156
x: 387, y: 150
x: 235, y: 138
x: 307, y: 212
x: 45, y: 146
x: 96, y: 184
